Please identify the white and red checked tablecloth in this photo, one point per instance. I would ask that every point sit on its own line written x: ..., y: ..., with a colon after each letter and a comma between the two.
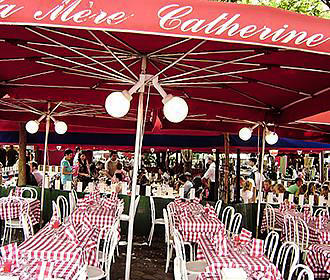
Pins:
x: 318, y: 259
x: 314, y: 232
x: 236, y: 257
x: 33, y: 204
x: 100, y: 216
x: 192, y: 221
x: 51, y: 245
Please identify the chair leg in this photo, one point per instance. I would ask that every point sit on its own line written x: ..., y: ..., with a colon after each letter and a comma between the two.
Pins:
x: 117, y: 251
x: 4, y: 235
x: 151, y: 233
x: 10, y: 232
x: 167, y: 258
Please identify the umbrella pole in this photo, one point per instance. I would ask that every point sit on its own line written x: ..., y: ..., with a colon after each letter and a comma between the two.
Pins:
x: 260, y: 181
x: 138, y: 144
x: 45, y: 163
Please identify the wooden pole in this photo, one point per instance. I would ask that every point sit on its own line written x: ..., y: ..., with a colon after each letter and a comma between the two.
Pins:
x: 217, y: 168
x: 22, y: 156
x: 238, y: 176
x: 226, y: 166
x: 322, y: 167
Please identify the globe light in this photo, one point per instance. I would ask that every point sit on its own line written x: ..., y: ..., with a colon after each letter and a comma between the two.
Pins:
x: 117, y: 104
x: 271, y: 138
x: 32, y: 127
x: 245, y: 133
x: 60, y: 127
x: 175, y: 108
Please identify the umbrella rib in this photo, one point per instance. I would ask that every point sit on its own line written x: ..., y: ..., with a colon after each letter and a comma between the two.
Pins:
x: 112, y: 53
x: 206, y: 83
x: 305, y: 69
x: 207, y: 53
x: 169, y: 46
x: 156, y: 67
x: 15, y: 106
x: 121, y: 42
x: 51, y: 86
x: 214, y: 66
x: 80, y: 53
x: 73, y: 62
x: 30, y: 76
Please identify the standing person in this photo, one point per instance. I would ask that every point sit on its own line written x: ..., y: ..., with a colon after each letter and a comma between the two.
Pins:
x: 66, y: 169
x: 12, y: 156
x: 3, y: 154
x: 76, y: 156
x: 36, y: 173
x: 210, y: 175
x: 111, y: 164
x: 83, y: 170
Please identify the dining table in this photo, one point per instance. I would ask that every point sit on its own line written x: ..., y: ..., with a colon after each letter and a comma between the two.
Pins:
x: 318, y: 259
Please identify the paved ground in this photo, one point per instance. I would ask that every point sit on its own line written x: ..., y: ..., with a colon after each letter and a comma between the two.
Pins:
x: 147, y: 262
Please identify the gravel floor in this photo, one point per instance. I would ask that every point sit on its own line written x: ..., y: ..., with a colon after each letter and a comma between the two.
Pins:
x: 147, y: 262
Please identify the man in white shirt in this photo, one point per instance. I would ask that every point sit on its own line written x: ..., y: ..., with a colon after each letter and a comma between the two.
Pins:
x: 76, y: 156
x: 210, y: 175
x: 36, y: 173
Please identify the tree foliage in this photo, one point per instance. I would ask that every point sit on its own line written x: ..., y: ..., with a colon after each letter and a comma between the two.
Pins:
x: 319, y: 8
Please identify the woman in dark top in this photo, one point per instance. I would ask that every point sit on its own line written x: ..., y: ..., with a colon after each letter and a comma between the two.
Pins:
x: 83, y: 171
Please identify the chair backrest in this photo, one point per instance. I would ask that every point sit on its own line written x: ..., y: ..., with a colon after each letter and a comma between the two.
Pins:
x: 180, y: 272
x: 152, y: 209
x: 120, y: 208
x: 136, y: 203
x: 270, y: 217
x: 62, y: 207
x: 304, y: 271
x: 72, y: 202
x: 227, y: 216
x: 27, y: 226
x: 81, y: 274
x: 167, y: 226
x: 288, y: 256
x: 217, y: 207
x: 74, y: 192
x: 320, y: 212
x: 271, y: 243
x: 32, y: 192
x: 302, y: 234
x: 8, y: 209
x: 179, y: 245
x: 290, y: 228
x: 235, y: 224
x: 109, y: 250
x: 170, y: 220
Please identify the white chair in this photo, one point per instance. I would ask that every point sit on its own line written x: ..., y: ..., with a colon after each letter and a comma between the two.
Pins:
x: 120, y: 208
x: 180, y: 272
x: 271, y: 243
x: 27, y: 226
x: 320, y: 212
x: 304, y: 271
x: 227, y: 216
x: 235, y: 224
x: 81, y: 274
x: 302, y: 236
x: 62, y: 207
x: 270, y: 218
x: 125, y: 217
x: 95, y: 272
x: 288, y: 256
x: 168, y: 240
x: 73, y: 199
x: 10, y: 222
x: 32, y: 192
x: 217, y: 207
x: 192, y: 267
x: 290, y: 228
x: 154, y: 221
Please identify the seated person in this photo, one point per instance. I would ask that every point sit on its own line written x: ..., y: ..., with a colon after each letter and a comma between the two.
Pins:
x: 294, y: 189
x: 187, y: 185
x: 246, y: 192
x: 36, y: 173
x: 118, y: 182
x: 325, y: 191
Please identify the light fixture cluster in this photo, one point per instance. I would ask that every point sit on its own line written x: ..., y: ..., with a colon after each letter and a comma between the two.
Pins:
x: 117, y: 104
x: 32, y: 126
x: 245, y: 134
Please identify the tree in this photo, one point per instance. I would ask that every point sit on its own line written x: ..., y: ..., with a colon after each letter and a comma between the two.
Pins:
x: 319, y: 8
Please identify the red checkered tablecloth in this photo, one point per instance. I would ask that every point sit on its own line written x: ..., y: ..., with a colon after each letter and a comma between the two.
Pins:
x: 34, y: 209
x: 318, y: 259
x: 52, y: 245
x: 237, y: 257
x: 314, y: 233
x: 100, y: 216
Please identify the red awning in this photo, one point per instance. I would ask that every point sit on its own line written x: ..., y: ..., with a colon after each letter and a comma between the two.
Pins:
x: 234, y: 64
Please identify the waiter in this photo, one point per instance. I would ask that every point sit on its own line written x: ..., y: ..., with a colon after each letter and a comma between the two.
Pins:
x: 210, y: 176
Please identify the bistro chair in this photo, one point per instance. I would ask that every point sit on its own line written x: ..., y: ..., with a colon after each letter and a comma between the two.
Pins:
x: 154, y: 221
x: 62, y: 207
x: 27, y: 226
x: 125, y: 217
x: 235, y: 224
x: 270, y: 218
x: 217, y: 207
x: 180, y: 272
x: 32, y: 192
x: 320, y: 212
x: 192, y: 267
x: 271, y: 243
x: 305, y: 273
x: 302, y: 236
x: 81, y: 274
x: 288, y: 257
x: 227, y: 216
x: 290, y: 228
x: 168, y: 240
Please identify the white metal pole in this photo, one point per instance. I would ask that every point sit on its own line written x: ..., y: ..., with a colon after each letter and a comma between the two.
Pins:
x: 45, y: 162
x: 134, y: 182
x: 261, y: 175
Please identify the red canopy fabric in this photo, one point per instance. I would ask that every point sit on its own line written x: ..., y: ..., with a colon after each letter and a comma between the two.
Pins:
x: 234, y: 64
